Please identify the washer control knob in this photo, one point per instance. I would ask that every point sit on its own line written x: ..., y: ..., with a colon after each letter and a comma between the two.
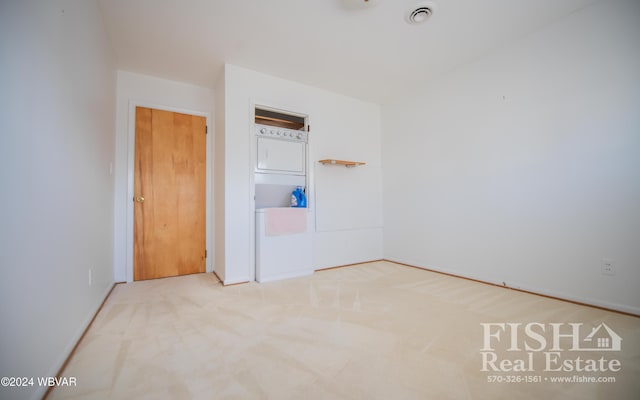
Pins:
x: 263, y: 130
x: 299, y: 136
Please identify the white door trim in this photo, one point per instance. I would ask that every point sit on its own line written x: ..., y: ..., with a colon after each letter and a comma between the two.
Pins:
x: 131, y: 141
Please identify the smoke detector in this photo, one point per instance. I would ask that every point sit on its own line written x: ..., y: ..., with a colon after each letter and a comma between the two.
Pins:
x: 421, y: 12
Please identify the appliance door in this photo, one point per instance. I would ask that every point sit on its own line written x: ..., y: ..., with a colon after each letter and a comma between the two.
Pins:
x: 280, y: 156
x: 283, y: 256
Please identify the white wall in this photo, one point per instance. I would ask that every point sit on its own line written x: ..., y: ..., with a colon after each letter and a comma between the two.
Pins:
x: 524, y: 166
x: 57, y: 116
x: 157, y: 93
x: 219, y: 177
x: 349, y: 202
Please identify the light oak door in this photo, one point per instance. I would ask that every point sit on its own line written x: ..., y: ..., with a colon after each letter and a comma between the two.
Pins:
x: 169, y: 194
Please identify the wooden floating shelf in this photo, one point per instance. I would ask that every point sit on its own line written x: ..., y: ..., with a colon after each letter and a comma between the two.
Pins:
x: 348, y: 164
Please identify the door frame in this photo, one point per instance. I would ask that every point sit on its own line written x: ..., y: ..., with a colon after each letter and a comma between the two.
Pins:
x: 131, y: 143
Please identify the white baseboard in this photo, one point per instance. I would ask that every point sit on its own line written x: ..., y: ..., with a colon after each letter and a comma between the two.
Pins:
x: 66, y: 353
x: 524, y: 287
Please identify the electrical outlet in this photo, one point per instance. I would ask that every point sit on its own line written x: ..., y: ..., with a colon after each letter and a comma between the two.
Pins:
x: 608, y: 267
x: 90, y: 277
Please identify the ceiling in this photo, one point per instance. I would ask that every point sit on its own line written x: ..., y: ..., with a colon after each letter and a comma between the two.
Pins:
x: 345, y: 46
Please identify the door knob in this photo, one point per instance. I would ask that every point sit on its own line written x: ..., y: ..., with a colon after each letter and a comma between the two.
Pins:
x: 139, y: 199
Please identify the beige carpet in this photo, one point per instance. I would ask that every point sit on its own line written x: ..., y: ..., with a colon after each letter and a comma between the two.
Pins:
x: 370, y: 331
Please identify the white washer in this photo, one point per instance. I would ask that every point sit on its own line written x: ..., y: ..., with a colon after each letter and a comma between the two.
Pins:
x: 283, y: 256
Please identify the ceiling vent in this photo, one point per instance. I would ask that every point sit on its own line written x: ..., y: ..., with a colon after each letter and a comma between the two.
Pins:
x: 421, y: 12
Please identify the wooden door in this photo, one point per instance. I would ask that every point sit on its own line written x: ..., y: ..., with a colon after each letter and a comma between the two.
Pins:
x: 169, y: 194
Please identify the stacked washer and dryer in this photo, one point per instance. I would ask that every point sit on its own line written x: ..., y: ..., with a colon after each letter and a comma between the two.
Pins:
x: 284, y: 246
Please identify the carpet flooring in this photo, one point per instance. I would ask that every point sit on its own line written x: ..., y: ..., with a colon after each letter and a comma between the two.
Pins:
x: 370, y: 331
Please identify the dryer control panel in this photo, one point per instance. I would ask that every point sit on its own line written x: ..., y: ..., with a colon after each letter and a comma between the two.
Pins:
x: 273, y: 132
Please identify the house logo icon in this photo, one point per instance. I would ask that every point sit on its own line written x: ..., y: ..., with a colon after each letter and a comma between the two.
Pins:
x: 601, y: 338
